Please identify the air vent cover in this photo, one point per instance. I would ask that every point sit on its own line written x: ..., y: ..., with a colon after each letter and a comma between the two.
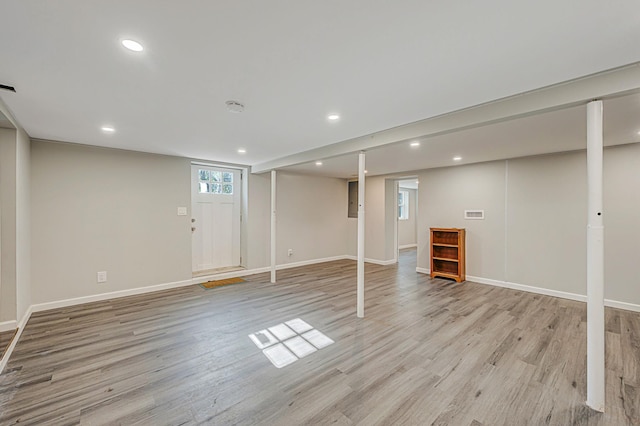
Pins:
x: 474, y: 214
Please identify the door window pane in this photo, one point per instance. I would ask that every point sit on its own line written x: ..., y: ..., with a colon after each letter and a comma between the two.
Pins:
x: 227, y: 189
x: 227, y: 177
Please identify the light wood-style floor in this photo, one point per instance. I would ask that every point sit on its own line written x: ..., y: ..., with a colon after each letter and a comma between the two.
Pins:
x: 428, y: 352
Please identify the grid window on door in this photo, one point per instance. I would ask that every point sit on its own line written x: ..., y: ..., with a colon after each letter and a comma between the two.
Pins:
x: 215, y: 182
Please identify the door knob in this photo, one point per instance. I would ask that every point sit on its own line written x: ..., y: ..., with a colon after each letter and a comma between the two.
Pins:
x: 193, y: 220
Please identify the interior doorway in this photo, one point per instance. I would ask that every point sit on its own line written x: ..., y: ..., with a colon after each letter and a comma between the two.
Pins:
x: 216, y: 210
x: 407, y: 220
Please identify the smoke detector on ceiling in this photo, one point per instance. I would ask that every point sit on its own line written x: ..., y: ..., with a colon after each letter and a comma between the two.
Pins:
x: 234, y: 106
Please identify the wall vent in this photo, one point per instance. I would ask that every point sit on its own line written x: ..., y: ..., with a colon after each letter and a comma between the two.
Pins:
x: 474, y: 214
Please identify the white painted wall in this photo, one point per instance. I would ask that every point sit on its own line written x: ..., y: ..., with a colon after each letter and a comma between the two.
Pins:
x: 97, y: 209
x: 541, y: 239
x: 311, y: 217
x: 407, y: 228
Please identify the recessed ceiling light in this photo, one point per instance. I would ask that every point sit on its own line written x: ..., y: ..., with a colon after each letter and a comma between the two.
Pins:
x: 242, y: 151
x: 107, y: 129
x: 318, y: 163
x: 132, y: 45
x: 414, y: 144
x: 457, y: 158
x: 417, y: 181
x: 366, y: 171
x: 639, y: 132
x: 333, y: 117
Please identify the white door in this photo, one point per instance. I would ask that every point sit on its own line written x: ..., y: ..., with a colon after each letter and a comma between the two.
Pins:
x: 215, y: 206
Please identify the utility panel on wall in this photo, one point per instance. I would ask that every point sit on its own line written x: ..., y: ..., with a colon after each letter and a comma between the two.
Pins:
x: 353, y: 199
x: 474, y: 214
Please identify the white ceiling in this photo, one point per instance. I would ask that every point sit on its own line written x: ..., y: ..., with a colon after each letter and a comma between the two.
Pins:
x: 557, y: 131
x: 378, y: 64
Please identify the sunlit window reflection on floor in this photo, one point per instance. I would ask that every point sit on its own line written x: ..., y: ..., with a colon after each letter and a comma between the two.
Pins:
x: 285, y: 343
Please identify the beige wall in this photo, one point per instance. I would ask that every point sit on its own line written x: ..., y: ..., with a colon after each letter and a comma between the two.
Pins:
x: 311, y: 217
x: 546, y: 224
x: 8, y: 225
x: 622, y: 223
x: 379, y: 217
x: 23, y: 223
x: 98, y: 209
x: 443, y: 196
x: 15, y: 224
x: 407, y: 228
x: 541, y: 240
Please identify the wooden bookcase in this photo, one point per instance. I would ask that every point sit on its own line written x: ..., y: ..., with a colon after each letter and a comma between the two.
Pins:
x: 448, y: 253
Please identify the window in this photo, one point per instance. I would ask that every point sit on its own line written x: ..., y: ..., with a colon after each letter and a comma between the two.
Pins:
x: 215, y: 182
x: 403, y: 205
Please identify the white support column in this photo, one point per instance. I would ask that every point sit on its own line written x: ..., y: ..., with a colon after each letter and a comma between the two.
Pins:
x: 360, y: 297
x: 595, y: 260
x: 273, y: 226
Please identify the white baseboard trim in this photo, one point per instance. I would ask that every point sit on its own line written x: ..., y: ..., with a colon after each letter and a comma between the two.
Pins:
x: 21, y: 324
x: 528, y: 288
x: 622, y: 305
x: 545, y: 291
x: 423, y: 271
x: 8, y: 325
x: 38, y: 307
x: 308, y: 262
x: 407, y: 246
x: 374, y: 261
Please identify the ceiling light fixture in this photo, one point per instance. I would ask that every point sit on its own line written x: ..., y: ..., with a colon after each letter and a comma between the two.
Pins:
x: 366, y: 171
x: 235, y: 106
x: 242, y: 151
x: 132, y: 45
x: 457, y: 158
x: 333, y: 117
x: 415, y: 144
x: 318, y: 163
x: 107, y: 129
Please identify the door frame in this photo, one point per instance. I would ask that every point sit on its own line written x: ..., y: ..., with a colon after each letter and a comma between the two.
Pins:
x: 244, y: 197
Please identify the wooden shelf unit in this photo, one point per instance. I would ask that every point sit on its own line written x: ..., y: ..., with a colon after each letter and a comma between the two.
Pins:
x: 447, y: 253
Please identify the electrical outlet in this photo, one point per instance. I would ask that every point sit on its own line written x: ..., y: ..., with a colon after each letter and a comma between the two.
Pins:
x: 102, y: 276
x: 290, y: 252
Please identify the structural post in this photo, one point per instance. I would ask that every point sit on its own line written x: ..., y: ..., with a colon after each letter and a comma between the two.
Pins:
x: 595, y: 260
x: 273, y: 226
x: 360, y: 296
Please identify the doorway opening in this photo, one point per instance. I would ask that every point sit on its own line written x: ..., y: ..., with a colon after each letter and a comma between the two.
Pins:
x: 407, y: 221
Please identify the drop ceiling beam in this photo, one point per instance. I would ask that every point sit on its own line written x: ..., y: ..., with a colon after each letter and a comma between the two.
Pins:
x: 616, y: 82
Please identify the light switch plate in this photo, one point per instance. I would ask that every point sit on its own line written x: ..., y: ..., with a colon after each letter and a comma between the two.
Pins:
x: 182, y: 211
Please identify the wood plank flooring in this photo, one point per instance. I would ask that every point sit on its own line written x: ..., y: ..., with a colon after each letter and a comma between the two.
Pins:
x: 429, y: 352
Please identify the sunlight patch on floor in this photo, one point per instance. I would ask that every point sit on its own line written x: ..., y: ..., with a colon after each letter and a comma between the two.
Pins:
x: 287, y: 342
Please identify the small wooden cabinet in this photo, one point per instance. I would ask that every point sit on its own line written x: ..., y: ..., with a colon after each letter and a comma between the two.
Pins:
x: 448, y: 253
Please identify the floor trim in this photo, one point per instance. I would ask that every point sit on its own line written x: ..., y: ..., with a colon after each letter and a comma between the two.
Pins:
x: 21, y: 325
x: 8, y: 325
x: 406, y: 246
x: 545, y: 291
x: 374, y: 261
